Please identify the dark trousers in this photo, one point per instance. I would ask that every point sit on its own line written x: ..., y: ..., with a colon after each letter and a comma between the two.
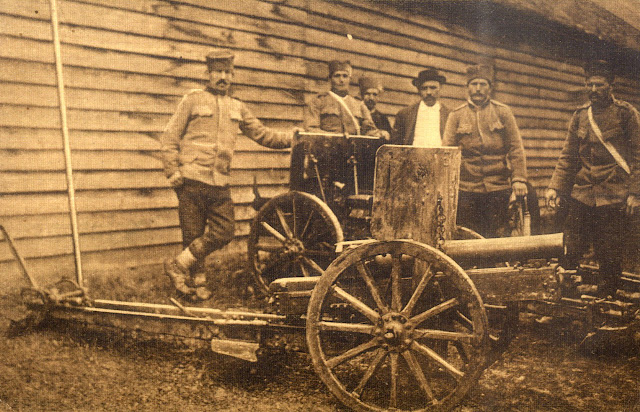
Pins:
x: 206, y: 217
x: 604, y: 227
x: 485, y: 213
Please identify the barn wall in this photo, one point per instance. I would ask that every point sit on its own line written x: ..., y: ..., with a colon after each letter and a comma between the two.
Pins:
x: 127, y: 63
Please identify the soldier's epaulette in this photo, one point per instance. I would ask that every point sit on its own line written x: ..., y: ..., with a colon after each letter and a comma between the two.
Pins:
x: 497, y: 103
x: 622, y: 103
x: 462, y: 106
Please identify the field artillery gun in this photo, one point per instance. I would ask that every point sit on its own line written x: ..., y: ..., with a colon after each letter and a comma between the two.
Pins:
x: 405, y: 320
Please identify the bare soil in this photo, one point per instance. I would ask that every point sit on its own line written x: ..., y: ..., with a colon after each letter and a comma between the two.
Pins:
x: 56, y: 367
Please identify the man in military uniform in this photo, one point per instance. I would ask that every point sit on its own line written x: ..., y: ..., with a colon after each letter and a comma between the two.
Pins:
x: 598, y: 176
x: 336, y: 111
x: 197, y: 147
x: 493, y: 162
x: 370, y: 90
x: 422, y: 124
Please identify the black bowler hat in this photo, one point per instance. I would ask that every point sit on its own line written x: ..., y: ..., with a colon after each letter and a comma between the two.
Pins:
x: 428, y: 74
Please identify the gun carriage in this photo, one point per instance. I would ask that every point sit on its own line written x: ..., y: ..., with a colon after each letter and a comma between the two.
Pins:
x: 406, y: 319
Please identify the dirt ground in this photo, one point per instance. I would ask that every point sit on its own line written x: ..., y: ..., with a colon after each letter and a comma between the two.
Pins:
x: 59, y: 368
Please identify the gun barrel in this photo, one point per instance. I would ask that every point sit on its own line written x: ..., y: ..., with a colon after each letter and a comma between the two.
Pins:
x: 505, y: 249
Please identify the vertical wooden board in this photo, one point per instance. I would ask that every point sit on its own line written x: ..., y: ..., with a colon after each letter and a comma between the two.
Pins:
x: 408, y: 183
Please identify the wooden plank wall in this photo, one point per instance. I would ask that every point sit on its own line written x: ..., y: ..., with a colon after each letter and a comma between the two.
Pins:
x: 127, y: 63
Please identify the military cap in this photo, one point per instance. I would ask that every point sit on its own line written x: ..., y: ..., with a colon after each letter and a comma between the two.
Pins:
x: 599, y: 68
x: 367, y: 83
x: 479, y: 71
x: 220, y: 59
x: 428, y: 74
x: 338, y: 65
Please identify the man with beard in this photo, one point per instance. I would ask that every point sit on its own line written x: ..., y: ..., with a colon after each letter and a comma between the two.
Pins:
x: 598, y: 176
x: 370, y: 90
x: 493, y: 164
x: 422, y: 124
x: 336, y: 111
x: 197, y: 147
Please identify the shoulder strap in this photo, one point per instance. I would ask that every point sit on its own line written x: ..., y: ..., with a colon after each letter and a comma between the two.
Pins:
x: 618, y: 158
x: 346, y: 108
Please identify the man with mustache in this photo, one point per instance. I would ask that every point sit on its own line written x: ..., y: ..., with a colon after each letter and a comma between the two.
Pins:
x: 197, y: 148
x: 338, y: 112
x: 598, y: 176
x: 370, y: 90
x: 493, y: 164
x: 422, y: 124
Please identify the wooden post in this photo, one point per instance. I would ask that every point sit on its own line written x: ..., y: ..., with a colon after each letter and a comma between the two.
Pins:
x: 65, y: 140
x: 407, y: 185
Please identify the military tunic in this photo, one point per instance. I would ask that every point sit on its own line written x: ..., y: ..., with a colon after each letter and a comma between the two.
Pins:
x: 199, y: 142
x: 492, y: 150
x: 325, y: 113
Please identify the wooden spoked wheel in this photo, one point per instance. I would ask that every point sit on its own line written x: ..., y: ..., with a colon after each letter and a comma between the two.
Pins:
x: 397, y: 325
x: 293, y: 234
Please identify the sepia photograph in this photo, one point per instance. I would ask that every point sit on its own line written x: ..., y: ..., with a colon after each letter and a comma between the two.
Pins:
x: 320, y: 205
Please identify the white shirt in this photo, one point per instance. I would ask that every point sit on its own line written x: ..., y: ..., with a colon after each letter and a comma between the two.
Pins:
x: 427, y: 132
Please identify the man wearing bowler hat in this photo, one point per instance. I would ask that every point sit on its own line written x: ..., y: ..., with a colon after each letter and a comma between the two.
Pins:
x: 493, y: 164
x: 197, y: 147
x: 598, y: 177
x: 422, y: 124
x: 336, y: 111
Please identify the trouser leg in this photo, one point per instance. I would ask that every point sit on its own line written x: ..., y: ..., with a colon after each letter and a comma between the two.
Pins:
x: 578, y: 228
x: 608, y: 245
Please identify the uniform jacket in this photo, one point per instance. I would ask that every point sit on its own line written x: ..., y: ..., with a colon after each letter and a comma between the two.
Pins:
x: 586, y: 170
x: 325, y: 113
x: 492, y: 149
x: 200, y: 138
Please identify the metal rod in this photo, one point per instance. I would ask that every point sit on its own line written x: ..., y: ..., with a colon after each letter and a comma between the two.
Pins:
x: 19, y: 258
x: 65, y: 139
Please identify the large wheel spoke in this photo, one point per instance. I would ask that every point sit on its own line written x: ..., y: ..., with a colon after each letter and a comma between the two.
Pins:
x: 358, y: 305
x: 416, y: 320
x: 379, y: 356
x: 396, y: 299
x: 283, y: 223
x: 431, y: 354
x: 319, y: 253
x: 393, y: 396
x: 273, y: 232
x: 417, y: 371
x: 346, y: 327
x: 444, y: 335
x: 351, y: 353
x: 303, y: 269
x: 424, y: 280
x: 306, y: 225
x: 269, y: 248
x: 313, y: 265
x: 364, y: 273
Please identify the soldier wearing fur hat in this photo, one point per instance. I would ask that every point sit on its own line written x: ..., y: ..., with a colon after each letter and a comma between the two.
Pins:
x: 197, y: 147
x: 598, y: 176
x: 493, y: 162
x: 336, y: 111
x: 422, y: 124
x: 370, y: 90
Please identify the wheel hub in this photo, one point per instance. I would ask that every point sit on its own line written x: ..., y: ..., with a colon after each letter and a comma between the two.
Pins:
x: 394, y: 331
x: 293, y: 247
